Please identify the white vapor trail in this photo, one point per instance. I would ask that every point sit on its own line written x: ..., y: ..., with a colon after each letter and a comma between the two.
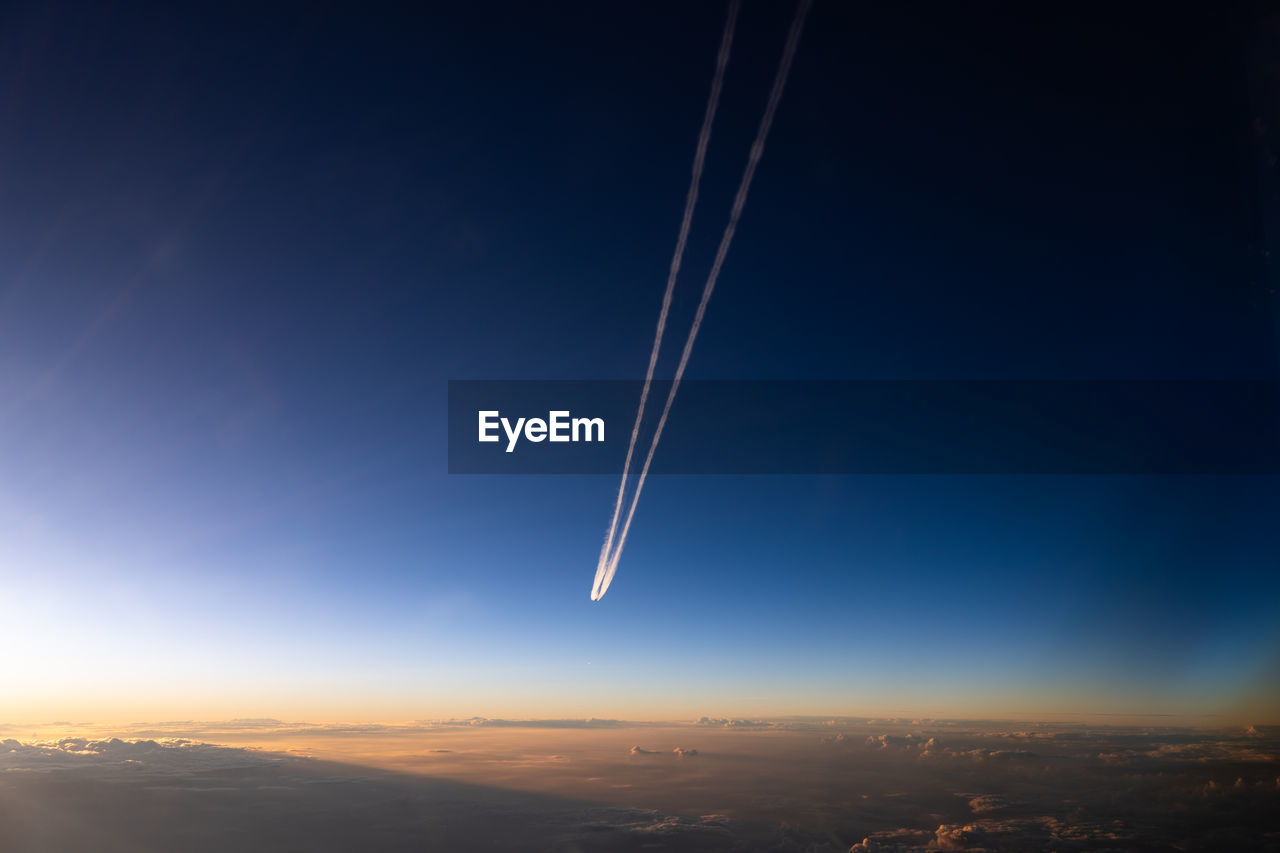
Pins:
x: 609, y: 561
x: 691, y: 199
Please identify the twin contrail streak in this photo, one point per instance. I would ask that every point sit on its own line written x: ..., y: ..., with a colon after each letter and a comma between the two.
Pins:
x: 608, y: 564
x: 691, y: 200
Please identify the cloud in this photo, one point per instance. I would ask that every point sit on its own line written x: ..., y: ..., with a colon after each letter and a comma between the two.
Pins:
x: 679, y: 752
x: 629, y: 829
x: 724, y: 722
x: 888, y: 741
x: 277, y: 728
x: 168, y: 756
x: 652, y: 822
x: 590, y: 723
x: 987, y: 803
x: 896, y: 841
x: 1039, y: 833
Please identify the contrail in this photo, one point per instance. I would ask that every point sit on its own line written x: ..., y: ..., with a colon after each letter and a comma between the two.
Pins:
x: 739, y: 201
x: 691, y: 199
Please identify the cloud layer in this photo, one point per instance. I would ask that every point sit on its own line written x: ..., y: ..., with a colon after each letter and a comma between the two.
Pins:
x: 770, y: 785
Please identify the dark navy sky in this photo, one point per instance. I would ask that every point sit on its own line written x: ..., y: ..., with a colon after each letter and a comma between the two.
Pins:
x: 242, y: 251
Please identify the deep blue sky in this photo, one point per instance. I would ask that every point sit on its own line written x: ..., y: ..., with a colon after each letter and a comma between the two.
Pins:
x: 242, y: 251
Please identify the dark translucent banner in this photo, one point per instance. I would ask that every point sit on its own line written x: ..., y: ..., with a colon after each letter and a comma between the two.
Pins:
x: 870, y: 427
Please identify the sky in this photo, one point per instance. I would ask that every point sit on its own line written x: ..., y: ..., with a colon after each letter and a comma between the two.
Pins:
x: 242, y: 251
